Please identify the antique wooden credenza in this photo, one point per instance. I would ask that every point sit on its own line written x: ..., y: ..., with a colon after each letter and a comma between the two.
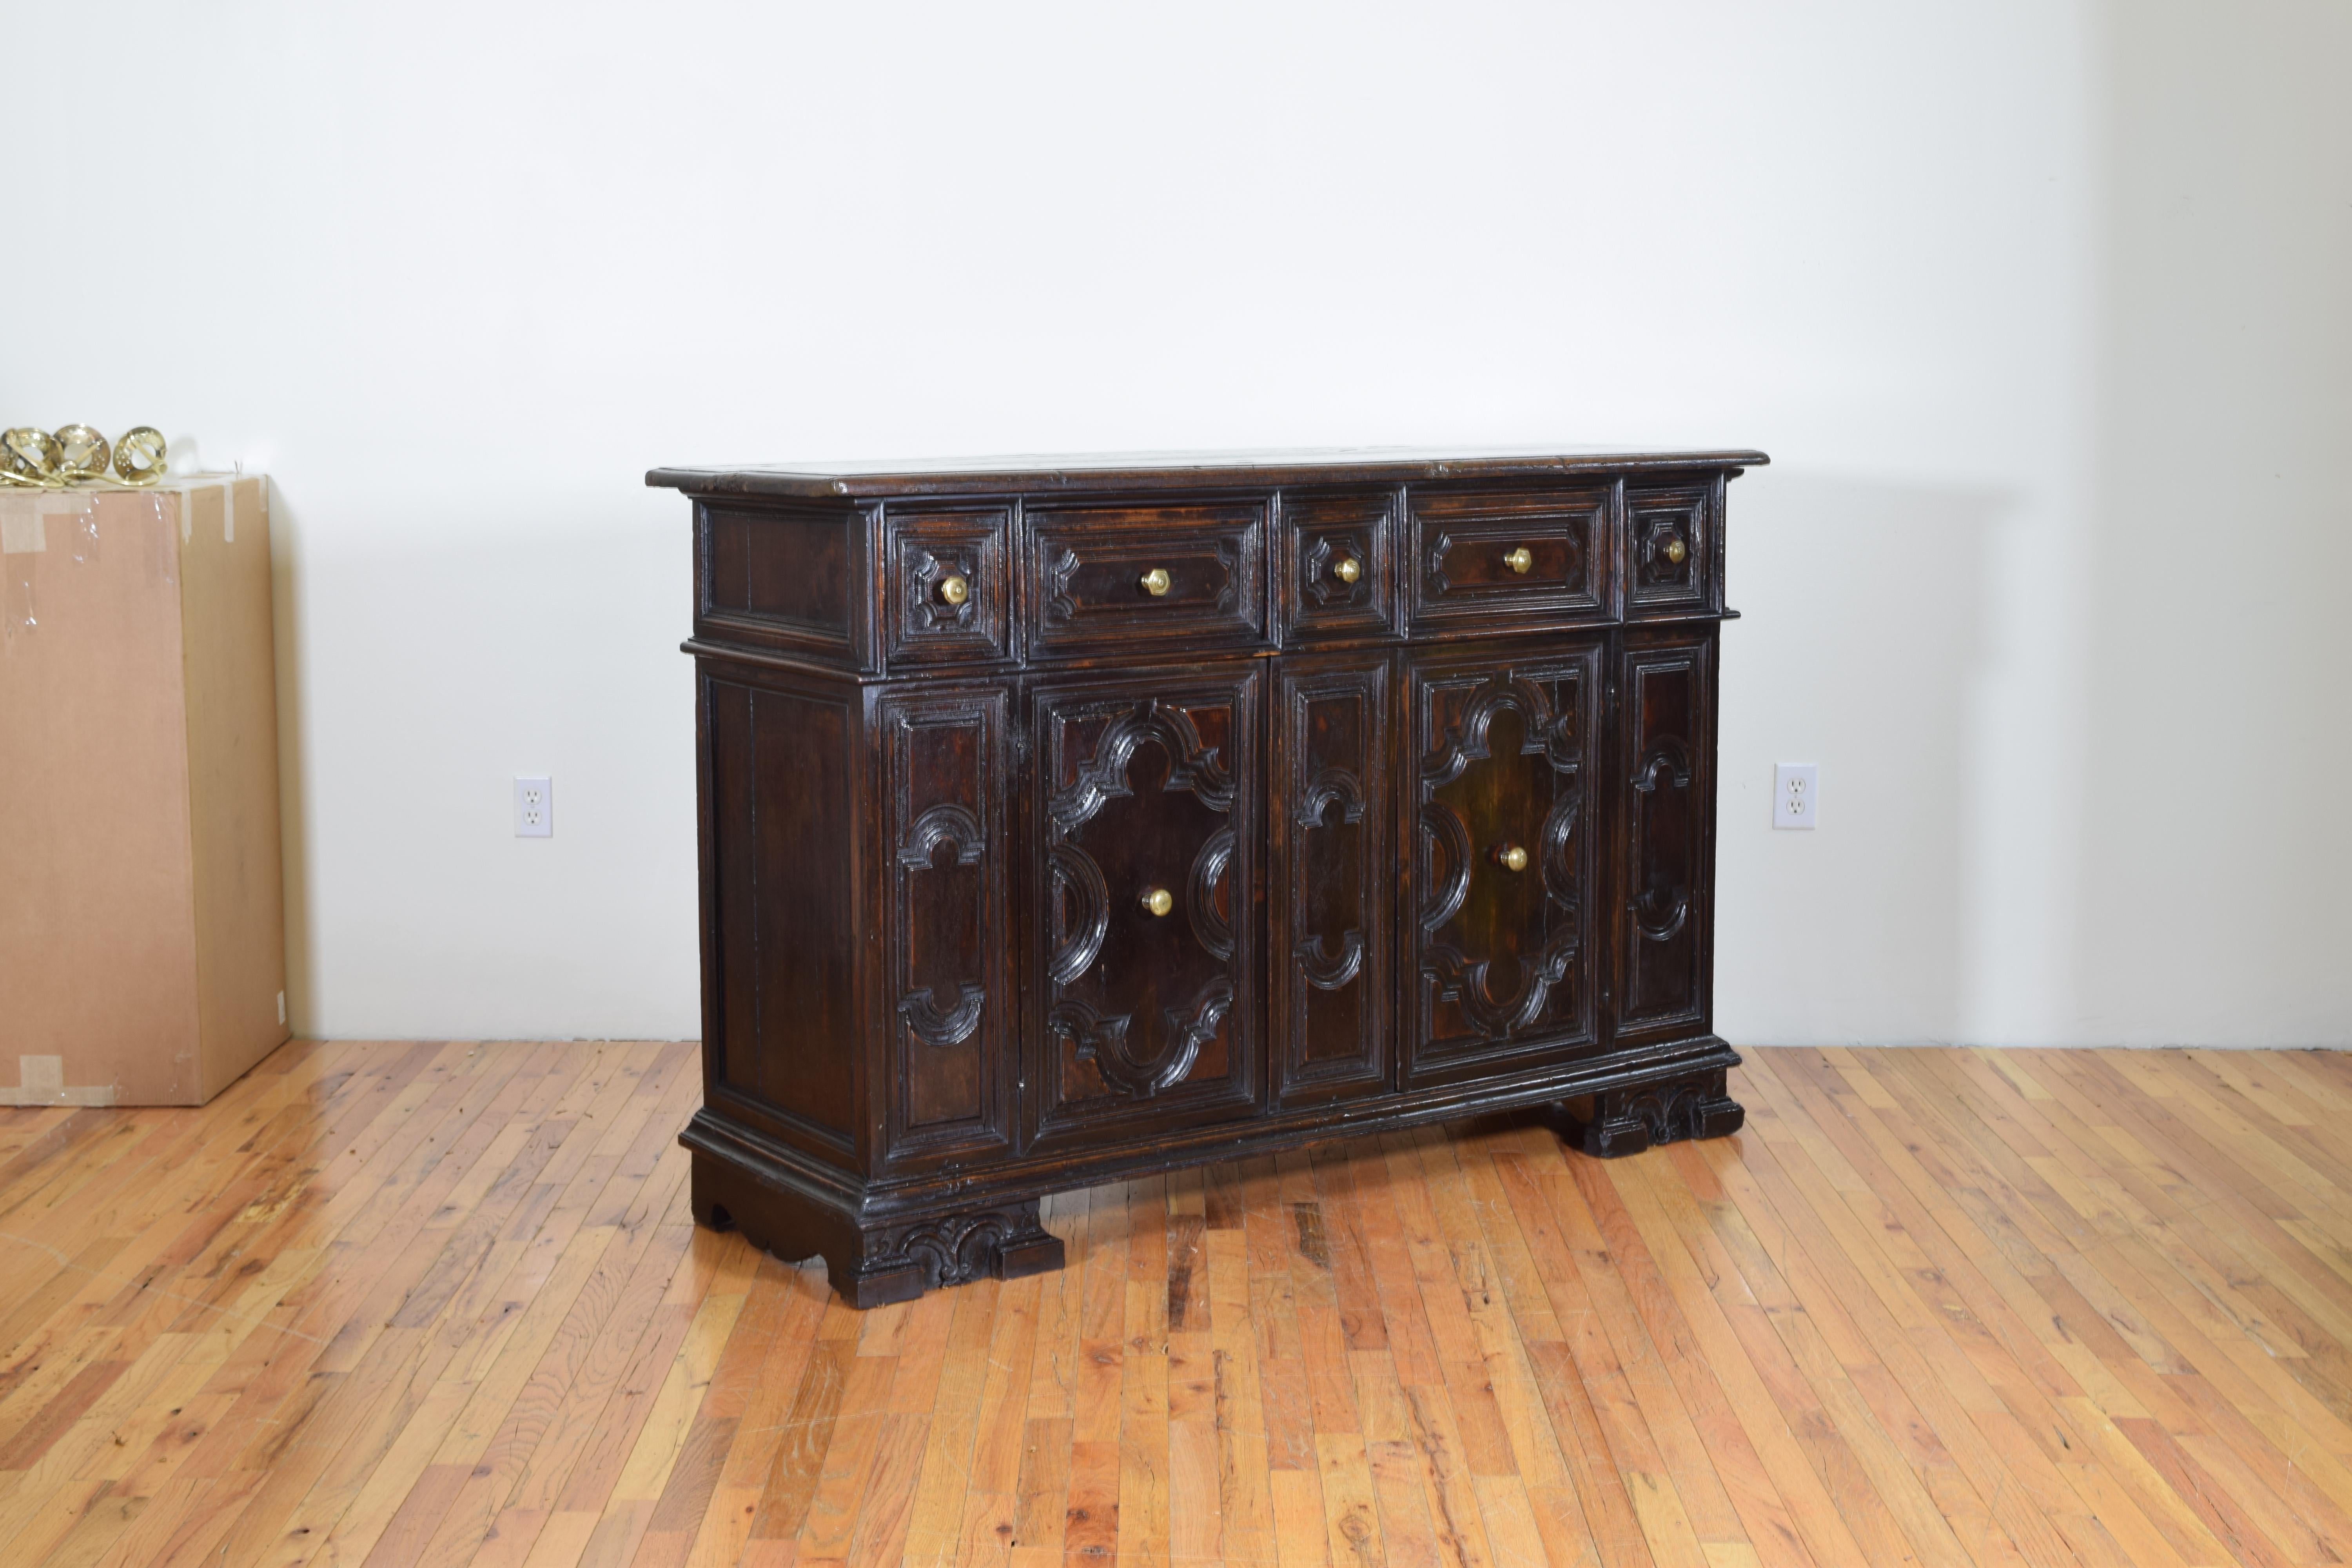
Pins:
x: 1068, y: 818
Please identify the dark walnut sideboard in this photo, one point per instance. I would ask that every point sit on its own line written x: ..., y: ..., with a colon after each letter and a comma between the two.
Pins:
x: 1066, y: 819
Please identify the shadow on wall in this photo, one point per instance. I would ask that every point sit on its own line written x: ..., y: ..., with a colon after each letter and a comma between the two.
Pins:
x: 1864, y: 630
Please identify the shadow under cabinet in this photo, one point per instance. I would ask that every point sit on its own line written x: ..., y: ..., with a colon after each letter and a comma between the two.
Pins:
x: 1068, y: 819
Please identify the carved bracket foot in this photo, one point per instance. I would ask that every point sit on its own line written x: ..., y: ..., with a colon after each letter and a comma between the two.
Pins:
x: 1628, y: 1120
x: 899, y: 1263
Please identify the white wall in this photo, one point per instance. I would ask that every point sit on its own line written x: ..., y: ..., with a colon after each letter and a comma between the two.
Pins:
x: 455, y: 276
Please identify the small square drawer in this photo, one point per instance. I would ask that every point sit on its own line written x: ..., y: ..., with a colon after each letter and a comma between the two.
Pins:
x: 1530, y: 556
x: 1670, y: 541
x: 1102, y: 577
x: 1337, y: 572
x: 949, y: 594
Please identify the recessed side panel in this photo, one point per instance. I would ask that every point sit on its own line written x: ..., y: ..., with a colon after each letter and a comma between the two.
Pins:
x: 1665, y: 814
x: 1329, y: 820
x: 784, y: 576
x: 784, y: 828
x: 950, y: 973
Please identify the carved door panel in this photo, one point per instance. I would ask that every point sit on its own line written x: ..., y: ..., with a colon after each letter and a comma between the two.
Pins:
x: 1332, y: 880
x: 1498, y: 913
x: 1666, y: 859
x: 1144, y: 924
x: 948, y: 972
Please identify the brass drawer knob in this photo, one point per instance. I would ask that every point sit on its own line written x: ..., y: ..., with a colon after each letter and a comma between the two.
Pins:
x: 1347, y: 569
x: 1676, y: 551
x: 1157, y: 901
x: 954, y: 589
x: 1511, y: 857
x: 1519, y: 560
x: 1155, y: 582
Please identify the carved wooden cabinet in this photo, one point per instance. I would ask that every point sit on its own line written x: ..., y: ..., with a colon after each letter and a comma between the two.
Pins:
x: 1062, y: 819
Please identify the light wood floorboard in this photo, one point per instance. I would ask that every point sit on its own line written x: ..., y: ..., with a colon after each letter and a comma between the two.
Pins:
x: 444, y: 1304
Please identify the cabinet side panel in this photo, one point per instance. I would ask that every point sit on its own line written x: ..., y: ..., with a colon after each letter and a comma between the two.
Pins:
x: 783, y: 821
x: 730, y: 1006
x: 1666, y: 805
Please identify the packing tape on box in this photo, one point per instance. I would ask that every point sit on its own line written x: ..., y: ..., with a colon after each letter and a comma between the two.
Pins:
x: 41, y: 1081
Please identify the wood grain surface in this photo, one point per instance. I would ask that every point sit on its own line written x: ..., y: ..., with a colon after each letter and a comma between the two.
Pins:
x: 444, y: 1303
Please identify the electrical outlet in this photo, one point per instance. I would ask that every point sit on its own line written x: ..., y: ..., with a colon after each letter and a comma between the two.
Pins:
x: 534, y: 808
x: 1796, y: 794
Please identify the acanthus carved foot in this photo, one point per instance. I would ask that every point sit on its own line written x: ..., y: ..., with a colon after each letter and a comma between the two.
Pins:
x: 1628, y: 1120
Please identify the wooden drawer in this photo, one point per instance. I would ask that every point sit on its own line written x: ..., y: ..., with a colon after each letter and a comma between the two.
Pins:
x: 1100, y: 578
x: 1521, y: 558
x: 1337, y: 571
x: 1671, y: 545
x: 949, y: 594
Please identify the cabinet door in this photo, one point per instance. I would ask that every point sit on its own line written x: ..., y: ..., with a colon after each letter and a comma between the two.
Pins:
x: 1664, y: 865
x: 1331, y: 886
x: 1144, y: 920
x: 949, y: 975
x: 1499, y: 912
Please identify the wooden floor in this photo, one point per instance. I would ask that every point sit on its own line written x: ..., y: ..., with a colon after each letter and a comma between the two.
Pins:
x: 443, y: 1304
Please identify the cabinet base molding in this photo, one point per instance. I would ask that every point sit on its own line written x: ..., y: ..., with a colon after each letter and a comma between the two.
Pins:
x: 891, y: 1244
x: 1627, y: 1121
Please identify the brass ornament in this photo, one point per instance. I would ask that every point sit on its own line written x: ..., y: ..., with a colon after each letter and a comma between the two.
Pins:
x: 1155, y: 582
x: 1519, y: 560
x: 954, y: 589
x: 1676, y: 551
x: 1346, y: 569
x: 1157, y: 901
x: 78, y: 455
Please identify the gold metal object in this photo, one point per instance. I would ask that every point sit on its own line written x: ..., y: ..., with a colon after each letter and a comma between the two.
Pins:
x: 1347, y: 569
x: 1157, y: 901
x: 1519, y: 560
x: 954, y: 589
x: 82, y: 453
x: 138, y: 455
x: 1512, y: 858
x: 1676, y: 551
x: 1155, y: 583
x: 79, y: 455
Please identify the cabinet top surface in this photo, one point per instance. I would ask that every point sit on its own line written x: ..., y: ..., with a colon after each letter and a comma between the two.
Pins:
x: 1172, y: 470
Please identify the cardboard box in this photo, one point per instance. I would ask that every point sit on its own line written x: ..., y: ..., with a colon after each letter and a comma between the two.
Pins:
x: 143, y: 949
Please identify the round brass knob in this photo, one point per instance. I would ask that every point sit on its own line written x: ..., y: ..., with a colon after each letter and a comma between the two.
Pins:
x: 1157, y: 901
x: 1676, y: 551
x: 954, y: 589
x: 1155, y: 582
x: 1512, y: 857
x: 1347, y: 569
x: 1519, y: 560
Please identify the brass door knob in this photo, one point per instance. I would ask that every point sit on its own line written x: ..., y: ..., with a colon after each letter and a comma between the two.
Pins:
x: 1676, y: 551
x: 1155, y: 582
x: 1157, y: 900
x: 1519, y: 560
x: 954, y: 589
x: 1511, y: 857
x: 1347, y: 569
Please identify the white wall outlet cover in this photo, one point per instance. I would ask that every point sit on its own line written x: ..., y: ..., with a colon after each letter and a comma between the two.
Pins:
x: 1796, y: 794
x: 534, y: 807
